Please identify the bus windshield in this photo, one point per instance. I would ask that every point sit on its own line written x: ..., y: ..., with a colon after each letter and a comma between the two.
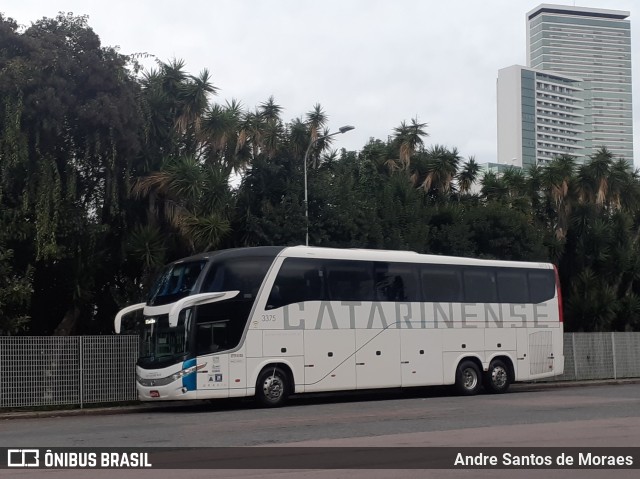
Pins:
x: 161, y: 344
x: 175, y: 282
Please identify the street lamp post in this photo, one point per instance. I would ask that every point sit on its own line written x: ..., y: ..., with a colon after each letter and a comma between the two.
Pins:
x: 342, y: 129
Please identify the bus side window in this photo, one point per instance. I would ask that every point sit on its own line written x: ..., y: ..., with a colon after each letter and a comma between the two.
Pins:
x: 396, y: 282
x: 480, y: 286
x: 350, y: 280
x: 542, y: 285
x: 441, y: 284
x: 212, y: 337
x: 299, y: 279
x: 512, y: 286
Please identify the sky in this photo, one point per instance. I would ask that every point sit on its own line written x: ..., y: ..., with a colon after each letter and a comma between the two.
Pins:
x: 369, y: 63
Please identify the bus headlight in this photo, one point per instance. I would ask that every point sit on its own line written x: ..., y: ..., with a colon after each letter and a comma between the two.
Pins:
x: 169, y: 379
x: 184, y: 372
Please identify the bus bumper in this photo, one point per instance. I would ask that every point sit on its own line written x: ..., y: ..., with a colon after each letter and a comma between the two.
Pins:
x: 170, y: 392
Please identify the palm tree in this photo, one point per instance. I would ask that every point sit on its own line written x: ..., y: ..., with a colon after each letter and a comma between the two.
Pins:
x: 468, y: 175
x: 316, y: 120
x: 410, y: 138
x: 252, y: 127
x: 516, y: 182
x: 557, y: 179
x: 273, y: 137
x: 175, y: 103
x: 193, y: 95
x: 298, y: 137
x: 630, y: 199
x: 534, y: 189
x: 272, y: 127
x: 441, y: 169
x: 619, y: 185
x: 193, y: 200
x: 270, y: 110
x: 225, y: 136
x: 493, y: 187
x: 218, y: 127
x: 593, y: 177
x: 146, y: 244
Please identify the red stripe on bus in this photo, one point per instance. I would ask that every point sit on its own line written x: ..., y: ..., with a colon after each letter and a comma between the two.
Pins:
x: 559, y: 294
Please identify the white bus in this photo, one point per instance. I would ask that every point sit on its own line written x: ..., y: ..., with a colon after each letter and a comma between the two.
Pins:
x: 273, y: 321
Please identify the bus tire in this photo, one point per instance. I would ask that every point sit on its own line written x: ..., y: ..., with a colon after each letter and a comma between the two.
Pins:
x: 497, y: 377
x: 272, y: 388
x: 468, y: 378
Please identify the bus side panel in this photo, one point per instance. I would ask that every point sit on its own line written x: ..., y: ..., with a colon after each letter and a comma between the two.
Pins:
x: 276, y: 343
x: 238, y: 373
x: 539, y: 353
x: 421, y: 357
x: 499, y: 340
x: 378, y: 358
x: 253, y: 342
x: 465, y: 340
x: 330, y: 363
x: 213, y: 378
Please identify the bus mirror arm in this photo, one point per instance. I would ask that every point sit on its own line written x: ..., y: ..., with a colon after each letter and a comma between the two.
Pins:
x: 117, y: 323
x: 197, y: 300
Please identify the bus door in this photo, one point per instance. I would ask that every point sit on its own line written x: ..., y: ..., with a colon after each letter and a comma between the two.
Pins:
x: 210, y: 338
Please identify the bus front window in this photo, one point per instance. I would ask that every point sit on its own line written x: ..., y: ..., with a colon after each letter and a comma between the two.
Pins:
x: 175, y: 282
x: 161, y: 345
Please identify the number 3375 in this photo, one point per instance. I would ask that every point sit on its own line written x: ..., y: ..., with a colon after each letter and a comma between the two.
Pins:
x: 268, y: 317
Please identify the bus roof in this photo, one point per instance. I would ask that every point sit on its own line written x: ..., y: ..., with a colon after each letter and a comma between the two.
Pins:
x: 356, y: 254
x: 233, y: 253
x: 401, y: 257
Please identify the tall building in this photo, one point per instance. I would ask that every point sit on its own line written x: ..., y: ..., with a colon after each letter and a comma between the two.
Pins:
x: 575, y: 94
x: 595, y: 45
x: 540, y: 116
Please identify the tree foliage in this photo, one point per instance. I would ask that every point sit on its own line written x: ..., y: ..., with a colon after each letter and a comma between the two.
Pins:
x: 108, y: 172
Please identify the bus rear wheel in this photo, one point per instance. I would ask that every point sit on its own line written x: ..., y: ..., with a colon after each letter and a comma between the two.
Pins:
x: 272, y: 388
x: 468, y: 378
x: 497, y: 377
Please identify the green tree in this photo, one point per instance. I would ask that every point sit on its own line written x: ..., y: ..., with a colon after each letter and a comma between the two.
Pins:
x: 409, y: 138
x: 558, y: 179
x: 69, y: 143
x: 593, y: 178
x: 193, y: 201
x: 468, y: 175
x: 440, y: 170
x: 15, y: 296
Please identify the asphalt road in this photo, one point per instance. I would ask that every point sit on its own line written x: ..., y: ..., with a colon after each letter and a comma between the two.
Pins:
x: 594, y: 416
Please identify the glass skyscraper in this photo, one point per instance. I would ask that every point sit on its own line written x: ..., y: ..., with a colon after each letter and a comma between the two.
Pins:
x: 593, y: 45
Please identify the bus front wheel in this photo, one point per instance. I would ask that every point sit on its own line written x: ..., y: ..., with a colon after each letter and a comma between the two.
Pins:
x: 272, y: 388
x: 468, y: 378
x: 497, y: 377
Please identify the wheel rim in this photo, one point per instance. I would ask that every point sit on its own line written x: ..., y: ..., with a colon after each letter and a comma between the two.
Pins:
x: 499, y: 377
x: 273, y: 388
x: 469, y: 379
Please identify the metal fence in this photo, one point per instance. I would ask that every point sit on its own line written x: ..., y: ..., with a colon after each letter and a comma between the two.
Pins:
x: 600, y: 356
x: 79, y: 370
x: 67, y: 370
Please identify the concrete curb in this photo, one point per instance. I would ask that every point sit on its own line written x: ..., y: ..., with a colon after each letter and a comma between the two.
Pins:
x: 168, y: 406
x: 572, y: 384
